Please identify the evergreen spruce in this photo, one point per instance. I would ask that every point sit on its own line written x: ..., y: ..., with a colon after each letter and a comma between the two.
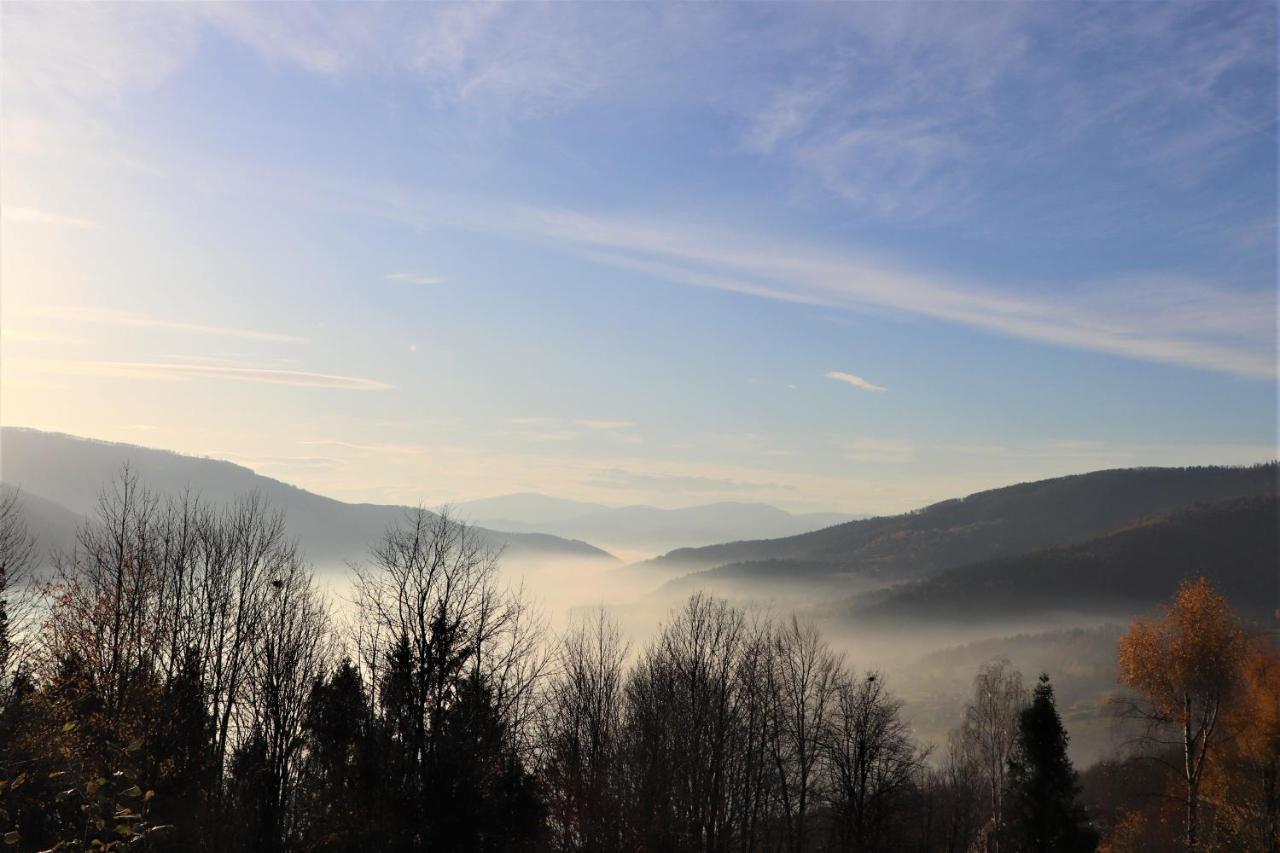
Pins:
x: 1042, y: 812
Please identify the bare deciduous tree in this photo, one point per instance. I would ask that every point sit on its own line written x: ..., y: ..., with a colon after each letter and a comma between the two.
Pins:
x: 682, y: 729
x: 105, y: 610
x: 982, y: 745
x: 803, y: 679
x: 242, y: 549
x: 293, y: 648
x: 17, y: 562
x: 581, y: 737
x: 431, y: 589
x: 872, y: 762
x: 156, y: 582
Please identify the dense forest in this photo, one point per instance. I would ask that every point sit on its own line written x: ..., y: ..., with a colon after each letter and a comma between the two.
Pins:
x: 1003, y: 553
x: 179, y: 681
x: 984, y: 525
x: 1233, y: 543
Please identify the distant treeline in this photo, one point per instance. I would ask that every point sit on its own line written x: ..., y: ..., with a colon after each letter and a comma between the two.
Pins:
x: 180, y: 683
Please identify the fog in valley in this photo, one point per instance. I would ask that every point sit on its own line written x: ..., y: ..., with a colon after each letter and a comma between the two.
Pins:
x: 917, y: 598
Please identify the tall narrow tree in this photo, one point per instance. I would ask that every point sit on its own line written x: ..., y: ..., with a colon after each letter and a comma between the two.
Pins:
x: 1186, y: 668
x: 1042, y: 814
x: 985, y: 740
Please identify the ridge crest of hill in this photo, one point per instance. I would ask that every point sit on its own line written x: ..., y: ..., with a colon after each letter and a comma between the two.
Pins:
x: 1235, y: 543
x: 68, y: 471
x: 1008, y: 520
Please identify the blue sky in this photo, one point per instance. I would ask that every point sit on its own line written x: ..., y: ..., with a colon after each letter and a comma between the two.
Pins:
x: 848, y: 256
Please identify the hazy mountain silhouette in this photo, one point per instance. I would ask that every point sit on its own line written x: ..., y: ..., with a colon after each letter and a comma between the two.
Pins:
x: 642, y: 527
x: 526, y: 508
x: 994, y: 523
x: 68, y: 472
x: 1234, y: 543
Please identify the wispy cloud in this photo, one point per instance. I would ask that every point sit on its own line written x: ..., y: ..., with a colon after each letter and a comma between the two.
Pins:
x: 855, y: 381
x: 1154, y: 318
x: 36, y: 337
x: 905, y: 114
x: 113, y: 317
x: 897, y: 109
x: 95, y: 51
x: 539, y: 436
x: 277, y: 464
x: 587, y: 423
x: 36, y: 216
x: 1164, y: 318
x: 413, y: 278
x: 542, y: 430
x: 379, y: 448
x: 895, y: 450
x: 171, y: 372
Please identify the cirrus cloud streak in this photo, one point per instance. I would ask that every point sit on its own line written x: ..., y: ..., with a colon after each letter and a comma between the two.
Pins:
x: 855, y: 381
x: 162, y: 371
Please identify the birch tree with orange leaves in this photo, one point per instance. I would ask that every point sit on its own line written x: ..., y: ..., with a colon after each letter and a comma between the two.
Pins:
x: 1244, y: 780
x: 1186, y: 667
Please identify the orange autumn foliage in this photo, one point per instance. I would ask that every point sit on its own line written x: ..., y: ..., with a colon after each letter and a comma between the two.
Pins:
x: 1243, y: 782
x: 1187, y: 669
x: 1192, y: 655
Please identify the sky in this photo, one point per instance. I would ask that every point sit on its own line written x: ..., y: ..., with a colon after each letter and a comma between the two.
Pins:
x: 853, y: 257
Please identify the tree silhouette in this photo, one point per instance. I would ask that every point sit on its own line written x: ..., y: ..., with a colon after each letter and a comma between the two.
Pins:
x: 984, y: 742
x: 1042, y: 814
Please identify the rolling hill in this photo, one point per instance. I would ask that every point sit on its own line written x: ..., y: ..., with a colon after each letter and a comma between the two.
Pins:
x: 67, y: 473
x: 1234, y: 543
x: 983, y: 526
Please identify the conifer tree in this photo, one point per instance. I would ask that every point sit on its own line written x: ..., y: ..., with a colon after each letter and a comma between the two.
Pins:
x: 1042, y: 812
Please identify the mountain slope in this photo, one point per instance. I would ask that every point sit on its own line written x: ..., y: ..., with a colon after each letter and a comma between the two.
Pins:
x: 1234, y: 543
x: 53, y: 526
x: 69, y: 471
x: 989, y: 524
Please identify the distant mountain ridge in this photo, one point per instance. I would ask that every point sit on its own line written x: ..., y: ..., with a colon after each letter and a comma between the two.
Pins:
x: 640, y: 526
x: 68, y: 471
x: 986, y: 525
x: 527, y: 508
x: 1234, y: 543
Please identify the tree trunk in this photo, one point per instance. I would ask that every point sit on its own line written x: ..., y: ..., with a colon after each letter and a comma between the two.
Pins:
x: 1272, y: 800
x: 1193, y: 817
x: 1192, y: 778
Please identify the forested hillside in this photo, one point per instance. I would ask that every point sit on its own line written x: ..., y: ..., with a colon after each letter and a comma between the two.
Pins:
x: 1236, y: 544
x: 982, y: 526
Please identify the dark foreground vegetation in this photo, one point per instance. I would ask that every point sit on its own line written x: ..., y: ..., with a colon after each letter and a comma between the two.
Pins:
x: 180, y: 683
